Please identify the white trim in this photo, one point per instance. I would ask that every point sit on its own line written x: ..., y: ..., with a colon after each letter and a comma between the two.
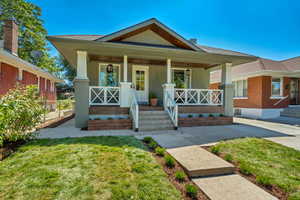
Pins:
x: 240, y: 97
x: 277, y: 97
x: 20, y: 75
x: 169, y: 72
x: 281, y: 88
x: 125, y: 66
x: 119, y: 76
x: 146, y: 68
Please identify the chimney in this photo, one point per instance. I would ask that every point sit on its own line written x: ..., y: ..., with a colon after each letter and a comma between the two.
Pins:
x: 193, y: 40
x: 10, y: 36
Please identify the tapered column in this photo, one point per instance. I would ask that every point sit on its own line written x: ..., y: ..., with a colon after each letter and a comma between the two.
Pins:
x: 125, y: 66
x: 81, y: 86
x: 168, y: 70
x: 227, y: 89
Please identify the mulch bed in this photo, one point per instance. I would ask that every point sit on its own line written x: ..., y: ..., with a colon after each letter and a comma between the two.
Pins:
x: 171, y: 176
x: 9, y: 148
x: 272, y: 189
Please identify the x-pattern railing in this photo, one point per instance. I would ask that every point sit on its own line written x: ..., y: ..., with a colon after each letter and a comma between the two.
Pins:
x: 99, y: 95
x: 198, y: 97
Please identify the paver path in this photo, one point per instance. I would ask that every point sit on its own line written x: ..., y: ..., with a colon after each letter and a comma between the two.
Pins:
x: 217, y: 186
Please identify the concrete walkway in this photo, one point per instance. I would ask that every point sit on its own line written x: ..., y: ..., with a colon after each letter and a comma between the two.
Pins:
x: 215, y: 177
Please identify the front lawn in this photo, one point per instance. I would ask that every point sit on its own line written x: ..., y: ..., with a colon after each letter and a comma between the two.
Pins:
x: 84, y: 168
x: 270, y: 163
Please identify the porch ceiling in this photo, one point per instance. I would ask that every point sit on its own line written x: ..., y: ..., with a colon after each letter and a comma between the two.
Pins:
x: 140, y: 54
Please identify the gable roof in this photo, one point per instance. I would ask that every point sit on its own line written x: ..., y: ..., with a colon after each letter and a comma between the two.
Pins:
x: 261, y: 66
x: 157, y: 27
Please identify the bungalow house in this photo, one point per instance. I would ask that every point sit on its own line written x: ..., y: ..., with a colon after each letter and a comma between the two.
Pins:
x: 14, y: 70
x: 116, y: 73
x: 264, y: 88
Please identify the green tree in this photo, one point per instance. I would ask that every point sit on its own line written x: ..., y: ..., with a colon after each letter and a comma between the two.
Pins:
x: 32, y: 35
x: 66, y: 70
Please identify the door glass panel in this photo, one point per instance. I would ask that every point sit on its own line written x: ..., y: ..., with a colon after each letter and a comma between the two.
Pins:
x: 140, y: 80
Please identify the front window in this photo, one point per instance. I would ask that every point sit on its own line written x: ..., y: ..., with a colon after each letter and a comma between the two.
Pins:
x: 240, y: 88
x: 276, y: 87
x: 181, y: 78
x: 109, y: 75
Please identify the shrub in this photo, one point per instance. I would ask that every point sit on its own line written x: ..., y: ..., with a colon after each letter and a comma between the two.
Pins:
x: 20, y: 112
x: 191, y: 190
x: 65, y: 104
x: 153, y: 144
x: 152, y: 95
x: 180, y: 176
x: 190, y: 116
x: 215, y: 149
x: 169, y: 160
x: 200, y: 115
x: 147, y: 139
x: 211, y: 115
x: 110, y: 118
x: 221, y: 115
x: 160, y: 151
x: 228, y: 157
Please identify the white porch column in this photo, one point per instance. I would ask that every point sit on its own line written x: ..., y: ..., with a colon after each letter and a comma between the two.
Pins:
x: 227, y: 89
x: 81, y: 65
x: 168, y: 70
x: 81, y: 86
x: 125, y: 94
x: 125, y: 66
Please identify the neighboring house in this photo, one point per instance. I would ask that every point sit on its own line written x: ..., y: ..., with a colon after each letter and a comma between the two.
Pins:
x: 14, y: 70
x: 263, y: 88
x: 116, y: 72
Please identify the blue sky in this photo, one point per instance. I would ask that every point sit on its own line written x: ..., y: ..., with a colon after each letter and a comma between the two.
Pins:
x: 265, y: 28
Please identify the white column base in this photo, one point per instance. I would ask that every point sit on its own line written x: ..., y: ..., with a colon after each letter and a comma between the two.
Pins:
x: 168, y: 87
x: 260, y: 113
x: 125, y: 94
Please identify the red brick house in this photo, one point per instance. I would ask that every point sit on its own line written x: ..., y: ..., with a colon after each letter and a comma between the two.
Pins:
x: 15, y: 70
x: 263, y: 88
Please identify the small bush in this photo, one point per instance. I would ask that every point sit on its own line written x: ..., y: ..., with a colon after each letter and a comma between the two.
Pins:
x: 211, y: 115
x: 169, y: 160
x: 200, y: 115
x: 180, y: 176
x: 160, y: 151
x: 147, y: 139
x: 20, y: 112
x: 191, y: 190
x: 228, y: 157
x: 266, y: 181
x: 153, y: 144
x: 110, y: 118
x: 190, y: 116
x: 215, y: 149
x: 244, y: 169
x: 221, y: 115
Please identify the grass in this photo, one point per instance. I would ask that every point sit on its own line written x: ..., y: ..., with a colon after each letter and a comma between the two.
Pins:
x: 84, y: 168
x: 271, y: 163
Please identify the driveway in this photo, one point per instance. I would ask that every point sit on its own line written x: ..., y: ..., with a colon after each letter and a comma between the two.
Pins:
x: 281, y: 133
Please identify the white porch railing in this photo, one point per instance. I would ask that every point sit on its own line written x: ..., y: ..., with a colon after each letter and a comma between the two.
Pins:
x: 134, y: 110
x: 198, y: 97
x: 172, y: 108
x: 99, y: 95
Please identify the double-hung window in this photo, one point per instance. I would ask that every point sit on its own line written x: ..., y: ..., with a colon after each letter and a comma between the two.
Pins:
x: 276, y: 87
x: 240, y: 88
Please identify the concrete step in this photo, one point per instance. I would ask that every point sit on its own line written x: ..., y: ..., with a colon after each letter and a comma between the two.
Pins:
x: 155, y: 122
x: 147, y: 113
x: 154, y: 117
x: 231, y: 187
x: 156, y: 128
x: 198, y: 162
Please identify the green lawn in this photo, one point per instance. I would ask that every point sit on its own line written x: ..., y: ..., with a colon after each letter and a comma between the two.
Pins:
x: 271, y: 163
x: 84, y: 168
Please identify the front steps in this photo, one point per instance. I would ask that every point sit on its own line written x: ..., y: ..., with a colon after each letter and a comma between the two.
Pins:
x: 154, y: 120
x: 291, y: 112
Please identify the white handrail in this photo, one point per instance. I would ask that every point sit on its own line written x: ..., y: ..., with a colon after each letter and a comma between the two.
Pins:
x: 134, y: 110
x: 198, y: 96
x: 172, y: 108
x: 99, y: 95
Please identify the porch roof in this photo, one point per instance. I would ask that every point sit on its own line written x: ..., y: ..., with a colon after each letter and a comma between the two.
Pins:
x: 68, y: 45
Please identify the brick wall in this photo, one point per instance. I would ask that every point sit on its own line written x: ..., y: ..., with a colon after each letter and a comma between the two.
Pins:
x: 9, y: 78
x: 259, y: 93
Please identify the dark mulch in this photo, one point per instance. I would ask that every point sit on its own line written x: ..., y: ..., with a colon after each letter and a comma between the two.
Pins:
x: 171, y: 176
x: 272, y: 189
x: 56, y: 122
x: 9, y: 148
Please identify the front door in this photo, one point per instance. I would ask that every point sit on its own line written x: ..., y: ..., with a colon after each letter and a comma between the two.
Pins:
x: 294, y: 92
x: 140, y: 77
